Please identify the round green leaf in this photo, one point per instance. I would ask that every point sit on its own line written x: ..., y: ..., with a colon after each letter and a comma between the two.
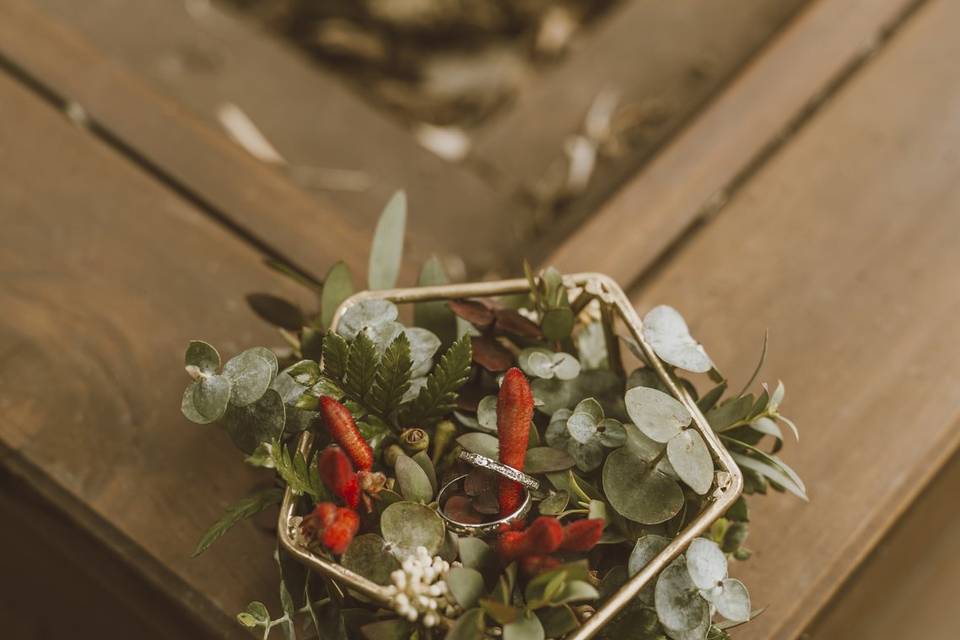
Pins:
x: 667, y: 333
x: 555, y: 504
x: 259, y: 422
x: 582, y: 427
x: 382, y: 334
x: 487, y: 413
x: 466, y: 585
x: 678, y: 603
x: 699, y: 632
x: 408, y: 525
x: 250, y: 374
x: 526, y: 627
x: 733, y: 600
x: 414, y: 483
x: 565, y: 366
x: 482, y: 443
x: 641, y: 446
x: 655, y: 413
x: 612, y: 433
x: 423, y: 345
x: 546, y: 460
x: 706, y: 563
x: 187, y: 406
x: 591, y: 407
x: 540, y: 363
x: 553, y: 395
x: 469, y: 626
x: 366, y: 313
x: 475, y: 553
x: 691, y: 460
x: 638, y: 492
x: 557, y: 434
x: 647, y: 548
x: 210, y: 396
x: 203, y: 356
x: 369, y: 557
x: 588, y: 456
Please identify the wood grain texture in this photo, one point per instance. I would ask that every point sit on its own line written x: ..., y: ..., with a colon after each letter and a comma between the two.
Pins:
x: 310, y: 231
x: 907, y: 587
x: 691, y: 177
x: 665, y: 59
x: 846, y: 246
x: 105, y: 277
x: 310, y: 117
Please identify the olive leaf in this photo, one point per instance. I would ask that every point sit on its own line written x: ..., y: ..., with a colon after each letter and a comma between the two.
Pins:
x: 387, y: 250
x: 466, y: 585
x: 655, y: 413
x: 690, y: 459
x: 369, y: 557
x: 408, y: 525
x: 415, y: 485
x: 667, y: 333
x: 337, y: 287
x: 250, y: 374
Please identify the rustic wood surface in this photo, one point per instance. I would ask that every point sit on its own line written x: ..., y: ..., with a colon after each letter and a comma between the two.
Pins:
x: 695, y: 174
x: 106, y: 276
x: 308, y: 115
x: 907, y: 587
x: 845, y: 245
x: 665, y: 59
x: 174, y: 142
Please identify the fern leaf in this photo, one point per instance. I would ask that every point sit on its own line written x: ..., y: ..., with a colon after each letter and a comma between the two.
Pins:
x: 302, y: 477
x: 334, y: 356
x: 238, y: 512
x: 439, y: 395
x: 393, y: 377
x: 362, y: 364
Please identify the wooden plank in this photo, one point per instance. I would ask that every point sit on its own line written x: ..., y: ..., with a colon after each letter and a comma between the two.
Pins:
x: 845, y: 246
x: 907, y: 587
x: 106, y: 276
x: 695, y: 175
x: 311, y: 117
x: 665, y: 59
x: 176, y: 144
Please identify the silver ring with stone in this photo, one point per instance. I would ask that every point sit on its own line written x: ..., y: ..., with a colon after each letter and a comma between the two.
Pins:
x: 483, y: 528
x: 506, y: 471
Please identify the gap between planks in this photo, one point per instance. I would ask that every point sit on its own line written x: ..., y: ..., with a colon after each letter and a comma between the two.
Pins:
x: 694, y: 176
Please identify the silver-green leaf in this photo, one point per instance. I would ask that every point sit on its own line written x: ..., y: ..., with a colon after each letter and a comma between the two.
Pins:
x: 386, y: 253
x: 690, y: 458
x: 655, y: 413
x: 667, y: 333
x: 250, y: 374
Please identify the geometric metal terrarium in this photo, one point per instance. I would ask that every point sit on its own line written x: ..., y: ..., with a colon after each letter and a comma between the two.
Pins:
x: 727, y: 482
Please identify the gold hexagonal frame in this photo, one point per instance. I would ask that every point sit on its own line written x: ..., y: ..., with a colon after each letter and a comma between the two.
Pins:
x: 728, y: 481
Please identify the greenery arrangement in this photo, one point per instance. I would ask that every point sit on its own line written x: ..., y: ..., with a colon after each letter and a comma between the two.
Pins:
x: 530, y: 380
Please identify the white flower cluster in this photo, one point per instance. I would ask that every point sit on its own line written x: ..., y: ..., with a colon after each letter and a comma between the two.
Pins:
x: 419, y: 589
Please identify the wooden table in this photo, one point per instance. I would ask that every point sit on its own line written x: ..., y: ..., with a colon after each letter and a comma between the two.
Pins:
x: 815, y: 195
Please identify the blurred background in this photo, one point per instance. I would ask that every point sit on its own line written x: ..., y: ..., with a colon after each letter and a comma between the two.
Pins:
x: 788, y: 165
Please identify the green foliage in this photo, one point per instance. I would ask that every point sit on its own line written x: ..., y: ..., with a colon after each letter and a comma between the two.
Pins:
x: 436, y: 315
x: 237, y: 512
x: 362, y: 362
x: 438, y: 397
x: 392, y: 379
x: 337, y: 287
x: 299, y: 474
x: 387, y: 250
x: 335, y: 351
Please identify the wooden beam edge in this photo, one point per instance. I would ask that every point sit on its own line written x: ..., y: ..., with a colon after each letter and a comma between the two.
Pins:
x: 696, y: 174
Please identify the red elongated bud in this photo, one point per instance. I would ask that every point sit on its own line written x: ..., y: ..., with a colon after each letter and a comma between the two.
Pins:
x: 536, y: 564
x: 338, y: 536
x: 511, y: 545
x: 514, y: 415
x: 582, y: 535
x: 544, y: 535
x: 344, y: 431
x: 337, y: 474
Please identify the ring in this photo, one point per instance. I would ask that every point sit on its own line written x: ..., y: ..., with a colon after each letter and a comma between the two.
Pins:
x: 506, y: 471
x: 484, y: 528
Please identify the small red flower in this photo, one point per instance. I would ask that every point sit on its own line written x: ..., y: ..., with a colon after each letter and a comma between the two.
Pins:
x: 514, y: 414
x: 338, y: 475
x: 344, y: 431
x: 333, y: 526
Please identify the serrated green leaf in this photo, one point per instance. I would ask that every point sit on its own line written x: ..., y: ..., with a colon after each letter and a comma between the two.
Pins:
x: 337, y: 287
x: 392, y: 378
x: 386, y: 253
x: 361, y: 369
x: 237, y: 512
x: 302, y: 478
x: 335, y: 351
x: 438, y: 396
